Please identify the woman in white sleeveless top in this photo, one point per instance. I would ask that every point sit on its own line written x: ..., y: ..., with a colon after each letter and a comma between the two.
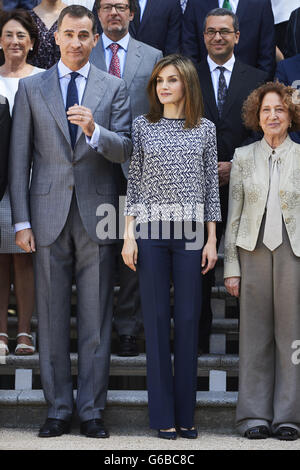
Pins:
x: 18, y: 40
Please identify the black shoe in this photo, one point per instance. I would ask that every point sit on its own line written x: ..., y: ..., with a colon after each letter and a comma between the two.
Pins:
x: 54, y: 428
x: 94, y: 428
x: 128, y: 346
x: 171, y: 435
x: 190, y: 433
x: 257, y: 432
x: 286, y: 433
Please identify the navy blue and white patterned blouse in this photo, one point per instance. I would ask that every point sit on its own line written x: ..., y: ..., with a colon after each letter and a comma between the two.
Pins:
x: 173, y: 172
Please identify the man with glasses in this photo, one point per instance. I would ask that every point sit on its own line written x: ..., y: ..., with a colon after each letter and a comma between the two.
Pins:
x: 256, y: 46
x: 226, y: 82
x: 121, y: 55
x: 156, y: 23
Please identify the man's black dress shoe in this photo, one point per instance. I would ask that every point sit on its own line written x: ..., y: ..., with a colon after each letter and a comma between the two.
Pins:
x: 94, y: 428
x: 286, y: 433
x: 54, y: 428
x: 128, y: 346
x: 257, y: 432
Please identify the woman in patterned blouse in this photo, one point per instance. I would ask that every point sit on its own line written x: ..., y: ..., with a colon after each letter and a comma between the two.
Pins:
x: 45, y: 16
x: 172, y: 187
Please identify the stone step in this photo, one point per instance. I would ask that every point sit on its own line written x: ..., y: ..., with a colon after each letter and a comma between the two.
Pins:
x: 215, y: 411
x: 219, y: 325
x: 131, y: 366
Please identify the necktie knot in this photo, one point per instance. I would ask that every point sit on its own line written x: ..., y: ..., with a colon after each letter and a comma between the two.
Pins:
x: 226, y: 5
x: 114, y: 47
x: 74, y: 75
x: 222, y: 69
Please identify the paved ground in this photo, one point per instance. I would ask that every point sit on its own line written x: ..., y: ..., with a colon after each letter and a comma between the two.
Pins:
x: 26, y: 439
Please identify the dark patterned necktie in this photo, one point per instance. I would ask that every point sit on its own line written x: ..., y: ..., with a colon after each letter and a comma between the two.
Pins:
x: 226, y: 4
x: 114, y: 67
x: 222, y: 91
x: 72, y: 98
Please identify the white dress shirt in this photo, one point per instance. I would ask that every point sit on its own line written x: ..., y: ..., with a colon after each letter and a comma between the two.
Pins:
x: 85, y: 3
x: 64, y: 79
x: 123, y: 43
x: 283, y: 8
x: 142, y: 4
x: 215, y: 73
x: 233, y: 4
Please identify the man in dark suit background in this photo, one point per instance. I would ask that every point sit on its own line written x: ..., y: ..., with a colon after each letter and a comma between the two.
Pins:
x: 256, y: 46
x: 156, y: 23
x: 292, y: 40
x: 4, y: 133
x: 134, y: 62
x: 226, y: 83
x: 288, y: 72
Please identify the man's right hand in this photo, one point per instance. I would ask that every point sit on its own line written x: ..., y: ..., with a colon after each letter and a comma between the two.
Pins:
x: 25, y: 240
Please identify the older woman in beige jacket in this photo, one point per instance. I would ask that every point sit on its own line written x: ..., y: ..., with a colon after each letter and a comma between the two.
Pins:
x: 262, y: 265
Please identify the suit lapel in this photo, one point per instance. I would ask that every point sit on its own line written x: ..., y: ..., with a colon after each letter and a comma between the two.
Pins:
x: 133, y: 59
x: 51, y: 92
x: 94, y: 91
x: 236, y: 81
x: 148, y: 12
x: 208, y: 93
x: 98, y: 56
x: 241, y: 9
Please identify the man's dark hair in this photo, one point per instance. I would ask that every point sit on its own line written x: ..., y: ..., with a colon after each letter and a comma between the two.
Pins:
x: 77, y: 11
x: 132, y: 5
x: 223, y: 12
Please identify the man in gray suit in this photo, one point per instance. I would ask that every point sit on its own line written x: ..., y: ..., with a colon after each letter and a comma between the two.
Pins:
x: 70, y: 122
x: 119, y: 54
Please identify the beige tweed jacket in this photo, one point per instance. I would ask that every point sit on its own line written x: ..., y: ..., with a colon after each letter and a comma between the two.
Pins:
x: 248, y: 194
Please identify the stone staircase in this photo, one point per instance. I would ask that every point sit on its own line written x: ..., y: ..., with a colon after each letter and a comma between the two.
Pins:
x: 22, y: 402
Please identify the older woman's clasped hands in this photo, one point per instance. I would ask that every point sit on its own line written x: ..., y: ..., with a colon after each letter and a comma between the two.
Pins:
x: 262, y: 264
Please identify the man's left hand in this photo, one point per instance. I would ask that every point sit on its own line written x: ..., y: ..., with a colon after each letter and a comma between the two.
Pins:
x: 224, y: 169
x: 83, y: 117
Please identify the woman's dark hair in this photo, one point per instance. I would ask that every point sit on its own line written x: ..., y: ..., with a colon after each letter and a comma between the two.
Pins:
x: 194, y: 108
x: 25, y: 19
x: 288, y: 95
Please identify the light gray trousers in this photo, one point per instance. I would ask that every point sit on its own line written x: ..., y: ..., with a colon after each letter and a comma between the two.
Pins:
x: 269, y: 381
x: 74, y: 254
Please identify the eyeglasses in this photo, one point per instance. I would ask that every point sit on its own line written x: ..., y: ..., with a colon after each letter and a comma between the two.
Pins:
x: 224, y: 33
x: 120, y: 7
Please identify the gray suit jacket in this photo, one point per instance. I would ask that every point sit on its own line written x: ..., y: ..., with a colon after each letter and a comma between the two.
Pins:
x: 140, y: 60
x: 40, y: 136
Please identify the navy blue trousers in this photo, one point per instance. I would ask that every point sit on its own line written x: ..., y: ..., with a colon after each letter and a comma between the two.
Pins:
x: 171, y: 395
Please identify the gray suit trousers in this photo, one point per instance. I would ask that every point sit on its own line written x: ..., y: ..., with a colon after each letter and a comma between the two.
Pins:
x: 74, y: 254
x: 269, y: 378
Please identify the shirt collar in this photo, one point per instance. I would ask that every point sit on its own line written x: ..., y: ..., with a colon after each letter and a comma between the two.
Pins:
x: 122, y: 42
x: 228, y: 65
x: 280, y: 151
x: 63, y: 70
